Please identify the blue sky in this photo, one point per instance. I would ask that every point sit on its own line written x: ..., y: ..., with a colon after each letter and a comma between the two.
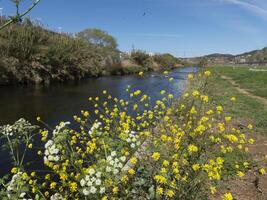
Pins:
x: 181, y: 27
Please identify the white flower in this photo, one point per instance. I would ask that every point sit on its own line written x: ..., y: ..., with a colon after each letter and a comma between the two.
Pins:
x: 86, y: 192
x: 113, y: 153
x: 98, y: 182
x: 93, y: 190
x: 128, y: 140
x: 123, y: 158
x: 91, y: 171
x: 56, y: 196
x: 115, y: 171
x: 111, y: 162
x: 138, y: 143
x: 108, y: 169
x: 102, y: 190
x: 98, y: 174
x: 56, y: 158
x: 87, y: 178
x: 22, y: 194
x: 93, y: 179
x: 82, y: 182
x: 132, y: 145
x: 89, y: 183
x: 109, y: 158
x: 120, y: 165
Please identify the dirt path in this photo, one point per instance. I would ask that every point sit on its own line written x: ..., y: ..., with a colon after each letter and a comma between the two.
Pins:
x: 243, y: 91
x: 252, y: 186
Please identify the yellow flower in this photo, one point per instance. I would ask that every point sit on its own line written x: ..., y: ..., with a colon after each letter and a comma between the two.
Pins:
x: 219, y: 108
x: 38, y: 118
x: 190, y: 76
x: 193, y: 110
x: 131, y: 171
x: 53, y: 185
x: 262, y: 171
x: 141, y: 73
x: 160, y: 179
x: 133, y: 160
x: 156, y: 156
x: 124, y: 179
x: 73, y: 187
x: 196, y: 167
x: 213, y: 190
x: 115, y: 190
x: 240, y: 174
x: 170, y: 193
x: 250, y: 126
x: 159, y: 190
x: 166, y: 73
x: 192, y: 148
x: 30, y: 146
x: 171, y: 79
x: 166, y: 163
x: 207, y: 73
x: 195, y: 93
x: 251, y: 141
x: 227, y: 196
x: 233, y: 99
x: 14, y: 170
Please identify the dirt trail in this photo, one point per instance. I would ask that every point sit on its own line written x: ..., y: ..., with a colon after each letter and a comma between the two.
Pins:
x: 252, y: 186
x: 243, y: 91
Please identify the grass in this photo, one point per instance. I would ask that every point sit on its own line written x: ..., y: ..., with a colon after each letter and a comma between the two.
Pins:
x: 245, y: 108
x: 253, y: 81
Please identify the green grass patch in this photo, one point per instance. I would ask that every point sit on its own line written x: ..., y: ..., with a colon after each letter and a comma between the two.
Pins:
x: 254, y: 81
x: 245, y: 108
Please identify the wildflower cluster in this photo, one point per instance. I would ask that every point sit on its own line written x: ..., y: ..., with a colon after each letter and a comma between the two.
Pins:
x: 131, y: 148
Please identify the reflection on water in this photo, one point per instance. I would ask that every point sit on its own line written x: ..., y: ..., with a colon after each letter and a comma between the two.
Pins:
x: 60, y: 102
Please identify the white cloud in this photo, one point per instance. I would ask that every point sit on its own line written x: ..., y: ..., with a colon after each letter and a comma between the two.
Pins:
x: 256, y: 9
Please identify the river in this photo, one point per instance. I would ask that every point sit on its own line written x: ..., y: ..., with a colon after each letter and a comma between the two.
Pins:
x: 60, y: 102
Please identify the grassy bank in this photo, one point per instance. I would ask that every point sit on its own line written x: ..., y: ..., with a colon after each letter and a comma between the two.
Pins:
x: 246, y: 108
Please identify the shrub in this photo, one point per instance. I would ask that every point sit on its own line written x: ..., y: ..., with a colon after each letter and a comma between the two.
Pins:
x: 166, y: 61
x: 141, y: 58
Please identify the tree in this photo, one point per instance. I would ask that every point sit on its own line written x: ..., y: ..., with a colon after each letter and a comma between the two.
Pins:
x: 99, y: 38
x: 203, y: 62
x: 166, y: 60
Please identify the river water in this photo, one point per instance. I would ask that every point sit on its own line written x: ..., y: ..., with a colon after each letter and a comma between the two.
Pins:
x: 60, y: 102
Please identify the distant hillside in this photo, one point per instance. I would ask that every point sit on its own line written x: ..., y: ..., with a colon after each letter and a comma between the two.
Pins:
x: 252, y: 57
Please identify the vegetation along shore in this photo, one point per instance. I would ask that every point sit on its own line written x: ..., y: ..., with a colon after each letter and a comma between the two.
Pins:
x: 30, y: 54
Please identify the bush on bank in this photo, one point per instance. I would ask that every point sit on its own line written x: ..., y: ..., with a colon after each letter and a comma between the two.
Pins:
x: 31, y: 54
x: 173, y: 149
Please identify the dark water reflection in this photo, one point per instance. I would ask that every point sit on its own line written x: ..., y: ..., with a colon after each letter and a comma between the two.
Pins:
x: 60, y: 102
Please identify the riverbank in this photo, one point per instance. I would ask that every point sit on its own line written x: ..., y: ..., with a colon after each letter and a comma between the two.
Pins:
x: 33, y: 55
x: 182, y: 157
x: 249, y: 90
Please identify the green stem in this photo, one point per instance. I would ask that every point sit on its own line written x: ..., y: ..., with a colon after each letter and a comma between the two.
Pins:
x: 18, y: 16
